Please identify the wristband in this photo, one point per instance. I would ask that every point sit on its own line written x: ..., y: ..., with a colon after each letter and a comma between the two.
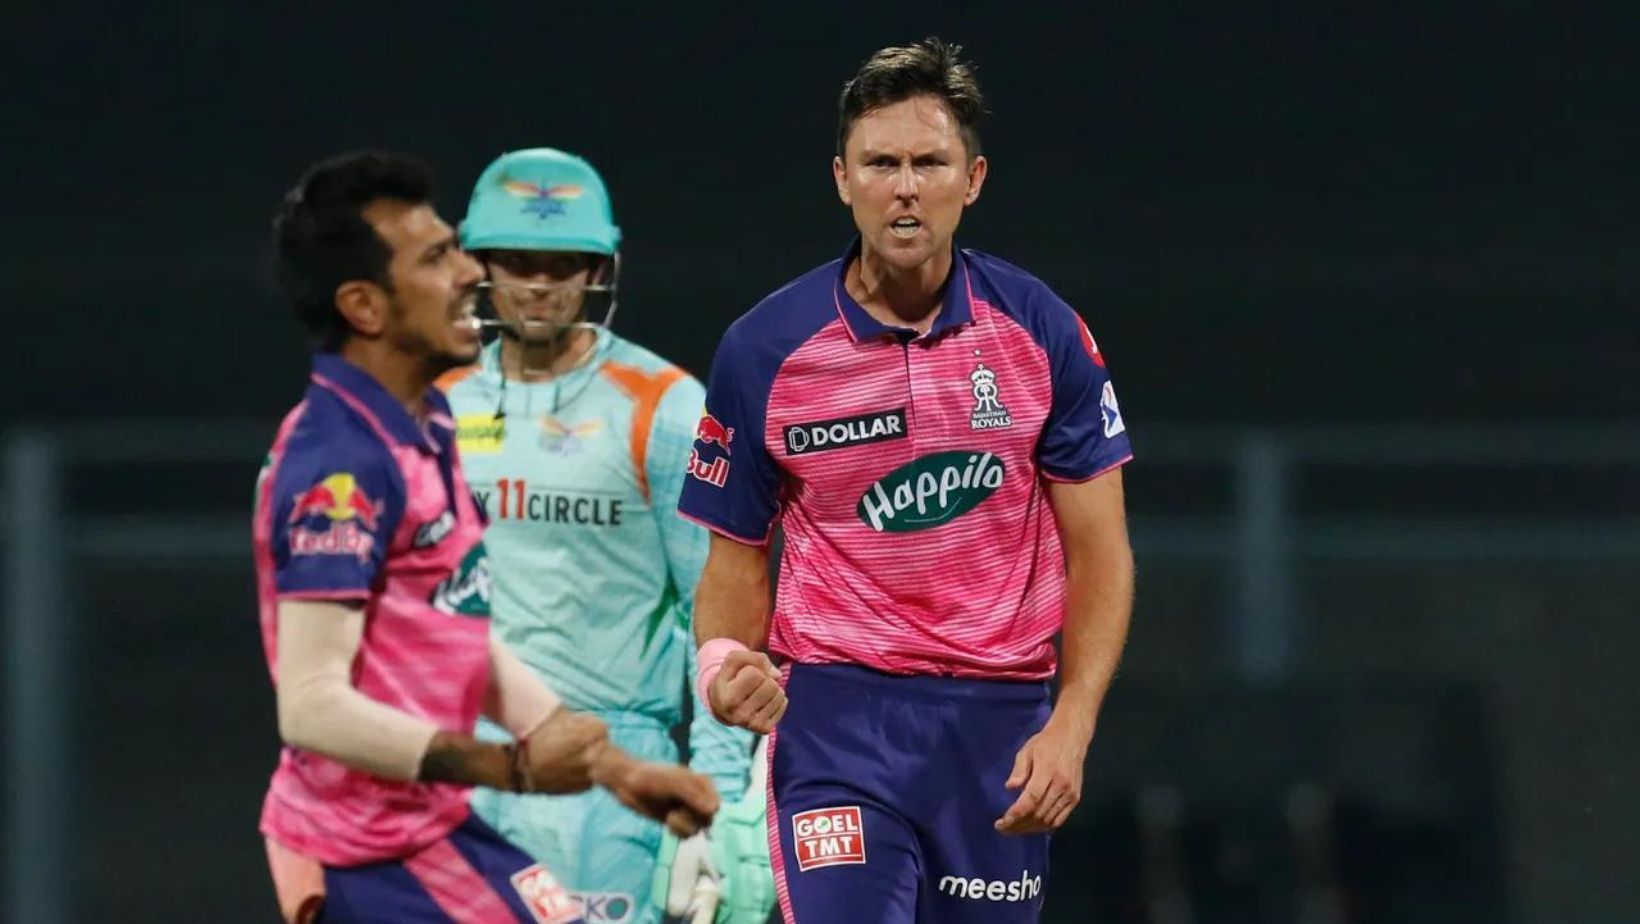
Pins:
x: 710, y: 661
x: 518, y: 771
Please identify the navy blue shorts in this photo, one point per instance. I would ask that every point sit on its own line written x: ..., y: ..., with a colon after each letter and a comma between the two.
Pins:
x: 472, y: 875
x: 883, y: 795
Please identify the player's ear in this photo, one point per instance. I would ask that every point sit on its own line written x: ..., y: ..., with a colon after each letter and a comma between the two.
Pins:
x: 976, y: 178
x: 362, y: 304
x: 839, y: 173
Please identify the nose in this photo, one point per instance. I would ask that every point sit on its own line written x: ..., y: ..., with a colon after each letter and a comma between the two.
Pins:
x: 470, y: 271
x: 905, y: 182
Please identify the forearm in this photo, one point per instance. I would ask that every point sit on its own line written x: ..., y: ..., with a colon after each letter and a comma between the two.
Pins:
x: 732, y: 599
x: 455, y: 758
x: 610, y: 765
x: 1099, y: 604
x: 321, y: 711
x: 517, y: 699
x: 327, y: 716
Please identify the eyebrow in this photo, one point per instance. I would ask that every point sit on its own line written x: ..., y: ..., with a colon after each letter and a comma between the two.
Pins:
x: 445, y: 244
x: 870, y: 154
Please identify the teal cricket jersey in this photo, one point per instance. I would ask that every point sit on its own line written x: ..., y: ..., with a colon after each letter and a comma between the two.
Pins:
x: 594, y: 571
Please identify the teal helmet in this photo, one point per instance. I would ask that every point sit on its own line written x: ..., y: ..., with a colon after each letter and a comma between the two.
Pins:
x: 540, y: 199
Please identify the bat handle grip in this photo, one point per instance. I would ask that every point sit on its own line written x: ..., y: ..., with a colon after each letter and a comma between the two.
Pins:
x: 706, y: 902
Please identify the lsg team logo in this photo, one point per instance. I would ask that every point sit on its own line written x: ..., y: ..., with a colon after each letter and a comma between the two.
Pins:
x: 543, y: 201
x: 988, y: 413
x: 563, y: 438
x: 828, y: 837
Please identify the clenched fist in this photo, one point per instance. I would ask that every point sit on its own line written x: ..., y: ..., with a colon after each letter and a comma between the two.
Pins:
x: 747, y: 693
x: 682, y: 799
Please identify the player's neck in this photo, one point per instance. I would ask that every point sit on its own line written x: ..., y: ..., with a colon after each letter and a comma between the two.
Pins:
x: 543, y: 362
x: 901, y: 297
x: 402, y: 375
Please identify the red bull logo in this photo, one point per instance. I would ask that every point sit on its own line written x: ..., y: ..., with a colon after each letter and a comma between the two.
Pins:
x: 338, y: 498
x: 714, y: 473
x: 710, y: 430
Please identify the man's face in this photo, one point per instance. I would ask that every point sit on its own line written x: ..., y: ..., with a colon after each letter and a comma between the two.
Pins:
x: 906, y: 174
x: 539, y: 293
x: 433, y: 283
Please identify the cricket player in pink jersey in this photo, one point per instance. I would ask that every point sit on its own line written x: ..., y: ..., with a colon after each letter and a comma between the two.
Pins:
x: 374, y: 593
x: 937, y: 435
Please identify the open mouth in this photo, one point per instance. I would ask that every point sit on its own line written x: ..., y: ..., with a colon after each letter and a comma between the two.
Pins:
x: 905, y: 228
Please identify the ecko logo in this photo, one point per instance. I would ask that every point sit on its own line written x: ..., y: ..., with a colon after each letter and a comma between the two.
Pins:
x: 1023, y: 889
x: 931, y: 490
x: 605, y: 907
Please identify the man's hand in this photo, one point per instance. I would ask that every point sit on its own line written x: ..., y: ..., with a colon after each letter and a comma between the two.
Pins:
x: 680, y: 798
x: 1049, y: 768
x: 558, y: 756
x: 747, y: 693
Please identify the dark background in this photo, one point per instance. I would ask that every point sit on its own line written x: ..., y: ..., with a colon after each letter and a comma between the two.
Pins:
x: 1273, y: 216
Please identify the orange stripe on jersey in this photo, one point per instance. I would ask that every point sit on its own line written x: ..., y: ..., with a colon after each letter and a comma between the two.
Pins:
x: 645, y: 389
x: 449, y: 379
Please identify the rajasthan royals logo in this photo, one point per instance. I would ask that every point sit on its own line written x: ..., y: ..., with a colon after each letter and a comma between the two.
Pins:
x: 988, y: 414
x: 543, y: 201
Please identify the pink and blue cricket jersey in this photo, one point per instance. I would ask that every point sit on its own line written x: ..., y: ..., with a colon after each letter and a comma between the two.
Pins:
x: 359, y: 502
x: 922, y: 579
x: 908, y: 471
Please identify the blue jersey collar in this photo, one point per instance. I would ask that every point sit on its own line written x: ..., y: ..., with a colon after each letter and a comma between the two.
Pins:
x: 956, y: 308
x: 360, y: 391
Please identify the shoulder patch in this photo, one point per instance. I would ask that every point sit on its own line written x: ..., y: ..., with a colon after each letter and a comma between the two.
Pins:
x: 645, y: 389
x: 454, y: 377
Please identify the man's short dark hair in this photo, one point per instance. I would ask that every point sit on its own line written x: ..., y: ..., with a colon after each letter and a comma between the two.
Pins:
x: 321, y: 238
x: 926, y: 68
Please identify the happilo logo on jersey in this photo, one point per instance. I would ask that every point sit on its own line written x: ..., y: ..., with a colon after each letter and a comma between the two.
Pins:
x: 466, y: 592
x: 1026, y: 888
x: 930, y: 490
x: 828, y: 837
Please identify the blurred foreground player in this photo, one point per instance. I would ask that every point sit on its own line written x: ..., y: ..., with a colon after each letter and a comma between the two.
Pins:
x: 935, y: 431
x: 576, y: 440
x: 374, y: 593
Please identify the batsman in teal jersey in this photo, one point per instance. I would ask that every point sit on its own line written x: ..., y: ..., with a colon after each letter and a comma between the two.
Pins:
x: 576, y: 442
